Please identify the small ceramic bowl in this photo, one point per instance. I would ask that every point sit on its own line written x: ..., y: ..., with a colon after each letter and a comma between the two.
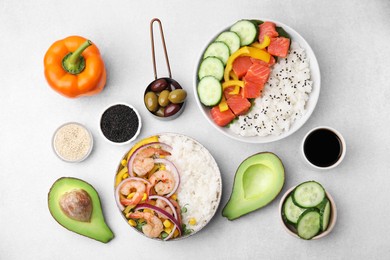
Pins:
x: 342, y: 144
x: 65, y: 148
x: 291, y: 229
x: 138, y: 130
x: 173, y: 84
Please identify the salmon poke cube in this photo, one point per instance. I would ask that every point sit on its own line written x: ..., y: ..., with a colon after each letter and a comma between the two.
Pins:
x: 238, y: 104
x: 279, y: 47
x: 222, y: 118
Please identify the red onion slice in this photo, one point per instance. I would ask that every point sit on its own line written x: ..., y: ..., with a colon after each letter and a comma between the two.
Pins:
x: 163, y: 212
x: 178, y: 209
x: 166, y: 201
x: 163, y: 146
x: 117, y: 190
x: 172, y: 168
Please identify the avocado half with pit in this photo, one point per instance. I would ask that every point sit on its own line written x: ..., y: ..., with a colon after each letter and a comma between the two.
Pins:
x: 258, y: 181
x: 75, y: 205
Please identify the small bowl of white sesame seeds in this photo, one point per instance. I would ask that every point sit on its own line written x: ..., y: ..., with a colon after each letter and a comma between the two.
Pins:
x: 72, y: 142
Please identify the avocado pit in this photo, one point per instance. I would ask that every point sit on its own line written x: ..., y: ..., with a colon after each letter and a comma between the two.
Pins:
x: 77, y: 205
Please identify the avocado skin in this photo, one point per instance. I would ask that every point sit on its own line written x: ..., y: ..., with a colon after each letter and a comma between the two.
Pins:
x: 97, y: 228
x: 239, y: 203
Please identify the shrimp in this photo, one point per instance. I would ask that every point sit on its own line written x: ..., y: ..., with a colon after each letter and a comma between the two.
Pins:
x: 163, y: 205
x: 153, y: 226
x: 133, y: 186
x: 144, y: 162
x: 162, y: 181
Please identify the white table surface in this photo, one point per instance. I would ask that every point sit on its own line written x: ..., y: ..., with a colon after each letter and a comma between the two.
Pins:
x: 350, y: 40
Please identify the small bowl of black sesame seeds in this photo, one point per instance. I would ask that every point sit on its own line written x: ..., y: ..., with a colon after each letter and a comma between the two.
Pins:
x: 120, y: 123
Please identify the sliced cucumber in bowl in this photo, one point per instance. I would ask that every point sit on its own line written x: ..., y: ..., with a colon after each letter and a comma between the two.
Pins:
x: 308, y: 194
x: 231, y: 39
x: 211, y: 66
x: 322, y: 217
x: 209, y: 91
x: 325, y: 216
x: 308, y: 225
x: 219, y: 50
x: 246, y: 30
x: 291, y: 212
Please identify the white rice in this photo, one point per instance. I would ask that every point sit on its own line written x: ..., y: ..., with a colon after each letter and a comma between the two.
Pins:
x: 283, y: 99
x: 200, y: 180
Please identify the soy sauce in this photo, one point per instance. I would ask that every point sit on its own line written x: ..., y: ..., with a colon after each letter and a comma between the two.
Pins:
x: 322, y: 147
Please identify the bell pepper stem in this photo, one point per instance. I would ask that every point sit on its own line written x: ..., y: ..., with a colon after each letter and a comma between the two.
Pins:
x: 74, y: 63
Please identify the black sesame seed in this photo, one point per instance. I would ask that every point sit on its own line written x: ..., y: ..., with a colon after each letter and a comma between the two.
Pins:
x: 119, y: 123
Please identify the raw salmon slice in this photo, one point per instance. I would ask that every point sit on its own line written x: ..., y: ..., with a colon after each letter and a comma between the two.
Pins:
x: 269, y: 64
x: 227, y: 90
x: 267, y: 28
x: 238, y: 104
x: 241, y: 66
x: 258, y: 73
x: 252, y: 90
x: 222, y: 118
x: 279, y: 47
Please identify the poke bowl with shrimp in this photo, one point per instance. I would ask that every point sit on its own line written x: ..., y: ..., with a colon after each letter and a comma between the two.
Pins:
x: 168, y: 186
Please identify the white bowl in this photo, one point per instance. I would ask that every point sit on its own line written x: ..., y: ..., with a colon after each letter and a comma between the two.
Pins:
x: 291, y: 230
x: 310, y: 104
x: 343, y: 147
x: 66, y: 159
x: 218, y: 191
x: 135, y: 135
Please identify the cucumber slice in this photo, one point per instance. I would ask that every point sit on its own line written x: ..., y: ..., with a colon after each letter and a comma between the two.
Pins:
x: 325, y: 216
x: 219, y: 50
x: 309, y: 223
x: 247, y: 31
x: 209, y: 91
x: 291, y: 211
x: 308, y: 194
x: 211, y: 66
x: 231, y: 39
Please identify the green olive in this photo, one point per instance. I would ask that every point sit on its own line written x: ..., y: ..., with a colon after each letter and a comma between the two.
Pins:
x: 163, y: 98
x: 150, y: 100
x: 177, y: 96
x: 160, y: 112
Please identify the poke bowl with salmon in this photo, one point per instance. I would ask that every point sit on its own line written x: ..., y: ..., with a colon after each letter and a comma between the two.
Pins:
x: 168, y: 186
x: 257, y: 81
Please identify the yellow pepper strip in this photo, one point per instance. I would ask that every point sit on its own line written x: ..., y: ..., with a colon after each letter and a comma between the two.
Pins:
x: 264, y: 44
x: 144, y: 197
x: 258, y: 54
x: 233, y: 75
x: 125, y: 176
x: 223, y: 106
x: 148, y: 140
x: 230, y: 83
x: 229, y: 63
x: 245, y: 51
x: 119, y: 176
x: 235, y: 91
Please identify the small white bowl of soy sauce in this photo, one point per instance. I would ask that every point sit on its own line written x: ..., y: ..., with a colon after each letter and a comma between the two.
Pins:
x: 323, y: 148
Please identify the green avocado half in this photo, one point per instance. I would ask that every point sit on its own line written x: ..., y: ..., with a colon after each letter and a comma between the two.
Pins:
x: 75, y: 205
x: 258, y: 181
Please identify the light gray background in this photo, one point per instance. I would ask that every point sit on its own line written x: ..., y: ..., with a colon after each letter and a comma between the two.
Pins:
x: 351, y: 41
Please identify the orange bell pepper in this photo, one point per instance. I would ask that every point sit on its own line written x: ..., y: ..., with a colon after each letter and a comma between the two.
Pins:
x: 74, y: 67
